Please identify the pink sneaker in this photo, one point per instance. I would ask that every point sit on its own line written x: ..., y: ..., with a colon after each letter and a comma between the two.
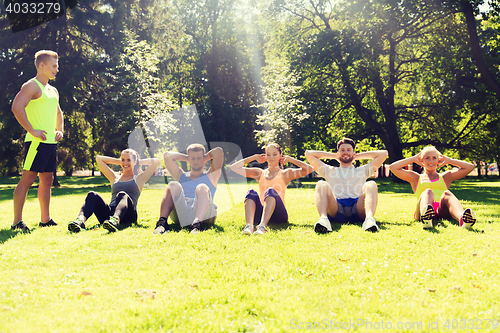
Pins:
x: 468, y: 219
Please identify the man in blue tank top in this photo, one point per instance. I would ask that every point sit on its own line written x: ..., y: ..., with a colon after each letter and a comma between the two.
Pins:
x: 188, y: 200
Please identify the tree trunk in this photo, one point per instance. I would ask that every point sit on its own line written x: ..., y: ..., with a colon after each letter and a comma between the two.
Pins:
x: 55, y: 182
x: 486, y: 74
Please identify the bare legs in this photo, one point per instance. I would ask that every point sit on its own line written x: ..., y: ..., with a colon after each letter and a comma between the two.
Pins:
x: 202, y: 193
x: 426, y: 199
x: 449, y: 206
x: 21, y: 191
x: 267, y: 211
x: 327, y: 205
x: 326, y: 202
x: 44, y: 194
x: 172, y: 194
x: 271, y: 209
x: 367, y: 202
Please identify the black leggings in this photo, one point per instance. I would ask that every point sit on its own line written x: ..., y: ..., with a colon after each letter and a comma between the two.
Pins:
x: 95, y: 204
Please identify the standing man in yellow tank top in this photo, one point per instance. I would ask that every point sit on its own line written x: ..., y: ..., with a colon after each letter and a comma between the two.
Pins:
x: 36, y: 108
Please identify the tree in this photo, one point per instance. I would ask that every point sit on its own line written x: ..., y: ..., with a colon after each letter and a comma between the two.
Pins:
x: 282, y: 110
x: 383, y: 70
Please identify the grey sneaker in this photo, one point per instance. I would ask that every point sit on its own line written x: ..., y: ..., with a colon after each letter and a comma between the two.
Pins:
x: 76, y: 225
x: 111, y: 225
x: 323, y: 225
x: 370, y: 224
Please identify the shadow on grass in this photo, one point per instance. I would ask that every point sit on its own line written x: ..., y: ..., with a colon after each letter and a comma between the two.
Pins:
x: 176, y: 227
x: 6, y: 234
x: 8, y: 193
x: 69, y: 186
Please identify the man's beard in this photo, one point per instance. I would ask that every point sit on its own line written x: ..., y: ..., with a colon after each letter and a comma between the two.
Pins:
x: 346, y: 159
x: 196, y: 169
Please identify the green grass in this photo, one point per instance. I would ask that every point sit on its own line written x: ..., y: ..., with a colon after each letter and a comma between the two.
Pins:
x: 218, y: 280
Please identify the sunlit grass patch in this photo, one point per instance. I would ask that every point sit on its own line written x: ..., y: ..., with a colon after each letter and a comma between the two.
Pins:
x: 218, y: 280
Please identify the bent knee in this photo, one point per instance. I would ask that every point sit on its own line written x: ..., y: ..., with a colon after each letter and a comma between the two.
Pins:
x: 92, y: 194
x: 322, y: 185
x: 370, y: 186
x: 202, y: 188
x: 173, y: 186
x: 271, y: 192
x: 446, y: 194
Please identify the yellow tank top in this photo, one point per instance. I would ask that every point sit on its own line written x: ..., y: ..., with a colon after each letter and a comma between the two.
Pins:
x: 437, y: 186
x: 42, y: 114
x: 278, y: 183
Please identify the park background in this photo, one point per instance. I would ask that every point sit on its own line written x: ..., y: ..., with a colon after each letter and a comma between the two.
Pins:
x: 393, y: 75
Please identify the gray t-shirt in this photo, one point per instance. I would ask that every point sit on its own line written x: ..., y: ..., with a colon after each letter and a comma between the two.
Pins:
x: 346, y: 182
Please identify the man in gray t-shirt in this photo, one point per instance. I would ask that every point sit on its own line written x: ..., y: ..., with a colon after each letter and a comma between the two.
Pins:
x: 346, y: 195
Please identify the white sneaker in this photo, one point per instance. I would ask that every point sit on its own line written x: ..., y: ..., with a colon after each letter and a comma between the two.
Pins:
x: 260, y: 230
x: 370, y: 224
x: 248, y: 230
x: 323, y: 225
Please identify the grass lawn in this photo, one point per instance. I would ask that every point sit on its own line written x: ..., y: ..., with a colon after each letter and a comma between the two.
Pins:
x: 291, y: 279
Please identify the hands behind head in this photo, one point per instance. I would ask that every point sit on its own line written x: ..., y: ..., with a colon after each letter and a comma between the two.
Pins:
x: 206, y: 158
x: 443, y: 160
x: 284, y: 159
x: 261, y: 158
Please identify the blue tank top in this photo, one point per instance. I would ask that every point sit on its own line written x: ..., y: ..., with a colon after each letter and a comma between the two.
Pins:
x: 189, y: 185
x: 129, y: 186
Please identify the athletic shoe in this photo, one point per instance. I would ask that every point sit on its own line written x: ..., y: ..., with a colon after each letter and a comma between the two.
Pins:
x: 468, y: 219
x: 323, y: 225
x: 195, y: 227
x: 260, y: 230
x: 111, y: 225
x: 161, y: 226
x: 21, y: 226
x: 370, y: 224
x: 50, y: 223
x: 76, y: 225
x: 247, y: 230
x: 426, y: 216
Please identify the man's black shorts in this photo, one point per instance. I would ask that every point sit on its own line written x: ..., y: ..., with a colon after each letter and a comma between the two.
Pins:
x: 40, y: 157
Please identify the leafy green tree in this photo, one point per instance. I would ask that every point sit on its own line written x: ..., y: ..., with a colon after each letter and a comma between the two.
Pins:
x: 283, y: 111
x: 391, y: 71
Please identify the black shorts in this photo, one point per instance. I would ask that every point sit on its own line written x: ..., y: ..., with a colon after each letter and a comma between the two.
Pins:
x: 40, y: 157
